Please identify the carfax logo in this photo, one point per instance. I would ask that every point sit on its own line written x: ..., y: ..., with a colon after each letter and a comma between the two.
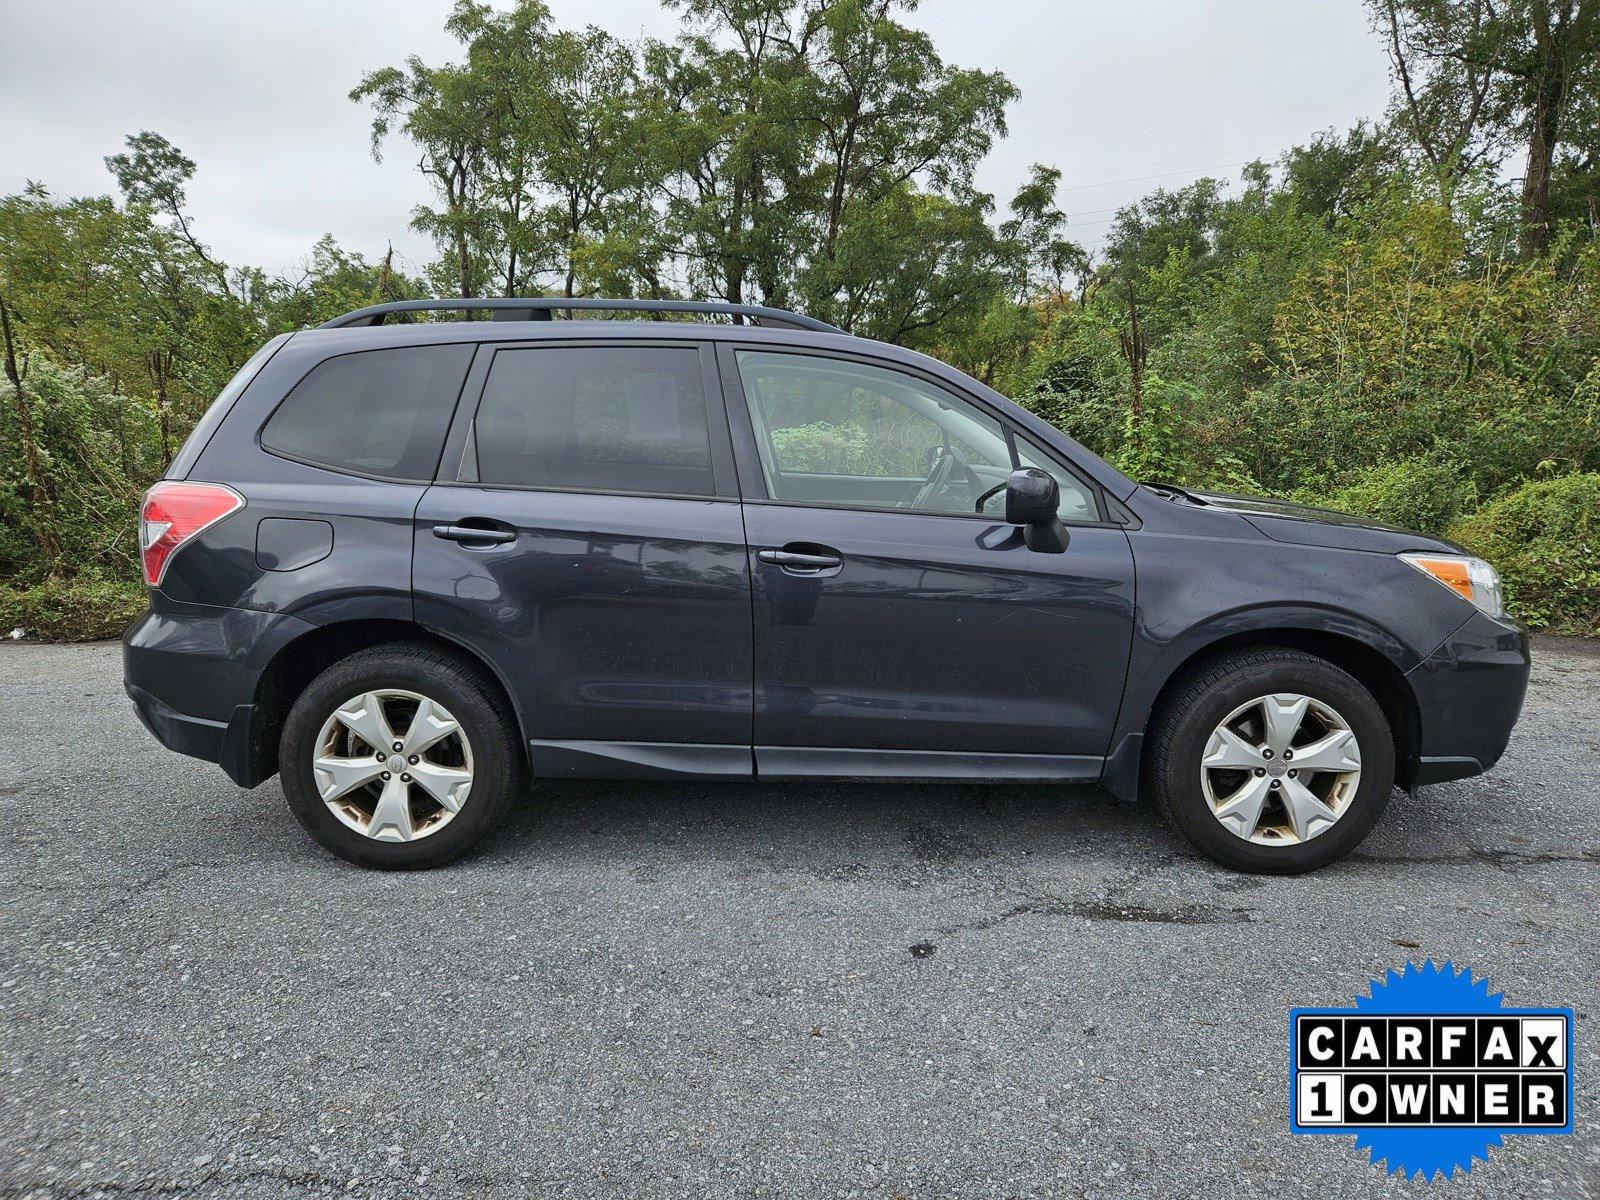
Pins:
x: 1430, y: 1070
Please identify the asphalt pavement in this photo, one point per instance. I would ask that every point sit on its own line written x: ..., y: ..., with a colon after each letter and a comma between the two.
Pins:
x: 716, y: 990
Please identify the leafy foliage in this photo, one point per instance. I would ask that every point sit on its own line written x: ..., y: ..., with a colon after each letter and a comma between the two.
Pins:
x: 78, y: 610
x: 1413, y: 493
x: 1545, y: 538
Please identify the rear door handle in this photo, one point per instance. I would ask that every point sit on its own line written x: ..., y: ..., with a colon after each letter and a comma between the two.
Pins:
x: 468, y: 533
x: 795, y: 561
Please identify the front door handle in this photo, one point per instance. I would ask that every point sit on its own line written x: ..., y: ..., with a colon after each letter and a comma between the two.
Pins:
x: 793, y: 560
x: 468, y: 533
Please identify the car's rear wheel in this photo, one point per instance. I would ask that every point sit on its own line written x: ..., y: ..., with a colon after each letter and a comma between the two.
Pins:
x: 1272, y: 760
x: 400, y: 756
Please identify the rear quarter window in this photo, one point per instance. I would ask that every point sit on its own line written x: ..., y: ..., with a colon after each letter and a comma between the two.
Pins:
x: 375, y: 412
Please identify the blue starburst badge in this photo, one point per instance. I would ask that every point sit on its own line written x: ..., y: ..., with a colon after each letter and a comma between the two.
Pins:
x: 1429, y: 1070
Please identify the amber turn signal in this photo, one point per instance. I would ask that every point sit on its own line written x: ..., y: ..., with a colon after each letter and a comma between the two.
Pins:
x: 1474, y: 580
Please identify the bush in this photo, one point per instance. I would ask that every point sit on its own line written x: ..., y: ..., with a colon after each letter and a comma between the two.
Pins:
x: 1148, y: 445
x: 1545, y: 539
x: 96, y: 454
x: 1091, y: 419
x: 820, y: 446
x: 77, y: 610
x: 1416, y: 493
x: 1153, y: 448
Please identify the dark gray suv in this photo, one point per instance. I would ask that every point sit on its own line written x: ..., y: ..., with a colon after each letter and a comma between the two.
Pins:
x: 408, y: 566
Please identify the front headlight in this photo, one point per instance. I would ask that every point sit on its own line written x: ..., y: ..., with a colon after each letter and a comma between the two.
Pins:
x: 1470, y: 578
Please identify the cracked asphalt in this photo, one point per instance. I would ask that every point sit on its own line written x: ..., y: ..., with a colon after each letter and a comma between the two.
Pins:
x: 711, y: 990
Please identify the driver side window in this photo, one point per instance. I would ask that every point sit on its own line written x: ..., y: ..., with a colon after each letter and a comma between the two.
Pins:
x: 831, y: 431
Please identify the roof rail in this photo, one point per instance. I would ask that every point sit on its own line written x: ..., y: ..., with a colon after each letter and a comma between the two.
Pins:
x: 538, y: 308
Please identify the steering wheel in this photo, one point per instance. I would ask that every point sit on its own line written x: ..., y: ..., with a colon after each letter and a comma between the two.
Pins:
x: 947, y: 461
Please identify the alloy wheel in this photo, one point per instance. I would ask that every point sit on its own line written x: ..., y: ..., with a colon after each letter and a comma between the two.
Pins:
x: 1281, y: 769
x: 393, y: 765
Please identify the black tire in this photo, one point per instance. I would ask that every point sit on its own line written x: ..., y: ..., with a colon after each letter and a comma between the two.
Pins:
x: 1206, y: 696
x: 470, y: 698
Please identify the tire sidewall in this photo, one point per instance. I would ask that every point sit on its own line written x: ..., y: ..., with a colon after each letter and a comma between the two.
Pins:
x: 1179, y: 777
x: 492, y: 776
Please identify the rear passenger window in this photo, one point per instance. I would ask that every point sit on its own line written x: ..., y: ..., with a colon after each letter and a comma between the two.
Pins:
x: 603, y: 418
x: 379, y: 412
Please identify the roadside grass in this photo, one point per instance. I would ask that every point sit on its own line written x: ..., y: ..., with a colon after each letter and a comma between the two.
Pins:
x: 72, y: 610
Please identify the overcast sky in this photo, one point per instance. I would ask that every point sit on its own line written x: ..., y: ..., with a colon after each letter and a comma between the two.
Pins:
x: 1122, y: 95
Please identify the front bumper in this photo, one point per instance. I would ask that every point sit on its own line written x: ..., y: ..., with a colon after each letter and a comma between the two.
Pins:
x: 1469, y: 694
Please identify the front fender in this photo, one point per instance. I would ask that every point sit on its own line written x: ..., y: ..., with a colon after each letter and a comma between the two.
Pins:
x: 1155, y: 663
x: 1207, y: 577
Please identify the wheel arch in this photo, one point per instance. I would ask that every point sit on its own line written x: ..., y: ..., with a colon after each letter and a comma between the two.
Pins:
x: 1373, y: 656
x: 296, y: 663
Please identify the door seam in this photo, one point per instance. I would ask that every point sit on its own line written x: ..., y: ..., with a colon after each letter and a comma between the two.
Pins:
x: 749, y: 569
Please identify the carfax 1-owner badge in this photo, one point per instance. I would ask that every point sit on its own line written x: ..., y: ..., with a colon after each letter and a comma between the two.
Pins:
x: 1430, y: 1070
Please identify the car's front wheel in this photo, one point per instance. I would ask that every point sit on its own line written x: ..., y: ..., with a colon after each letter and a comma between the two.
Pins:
x: 400, y: 756
x: 1272, y: 760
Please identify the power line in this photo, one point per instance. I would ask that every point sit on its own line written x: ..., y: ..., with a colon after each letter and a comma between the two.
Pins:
x: 1161, y: 162
x: 1146, y: 178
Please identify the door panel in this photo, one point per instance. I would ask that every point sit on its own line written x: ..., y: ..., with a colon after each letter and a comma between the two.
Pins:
x: 612, y: 618
x: 938, y: 644
x: 937, y: 633
x: 590, y: 546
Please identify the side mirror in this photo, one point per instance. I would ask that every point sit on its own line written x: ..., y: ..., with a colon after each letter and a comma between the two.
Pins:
x: 1033, y: 498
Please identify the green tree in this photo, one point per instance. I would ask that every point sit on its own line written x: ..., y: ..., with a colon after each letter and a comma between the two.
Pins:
x: 154, y: 173
x: 602, y: 161
x: 1036, y: 230
x: 889, y: 113
x: 476, y: 125
x: 914, y: 264
x: 1332, y: 173
x: 1474, y: 78
x: 735, y: 85
x: 333, y: 280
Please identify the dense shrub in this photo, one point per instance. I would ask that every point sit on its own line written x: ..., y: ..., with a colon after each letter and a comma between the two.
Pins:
x: 1415, y: 493
x: 1545, y: 539
x: 96, y: 451
x: 1153, y: 448
x: 71, y: 610
x: 1093, y: 419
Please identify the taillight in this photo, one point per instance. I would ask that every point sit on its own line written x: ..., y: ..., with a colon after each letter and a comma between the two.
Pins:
x: 173, y: 512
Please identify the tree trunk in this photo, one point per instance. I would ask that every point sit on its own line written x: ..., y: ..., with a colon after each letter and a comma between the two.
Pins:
x: 844, y: 160
x: 1135, y: 353
x: 1536, y: 181
x: 384, y: 273
x: 160, y: 375
x: 1548, y: 87
x: 1564, y: 35
x: 45, y: 519
x: 463, y: 266
x: 456, y: 197
x: 572, y: 243
x: 513, y: 226
x: 732, y: 264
